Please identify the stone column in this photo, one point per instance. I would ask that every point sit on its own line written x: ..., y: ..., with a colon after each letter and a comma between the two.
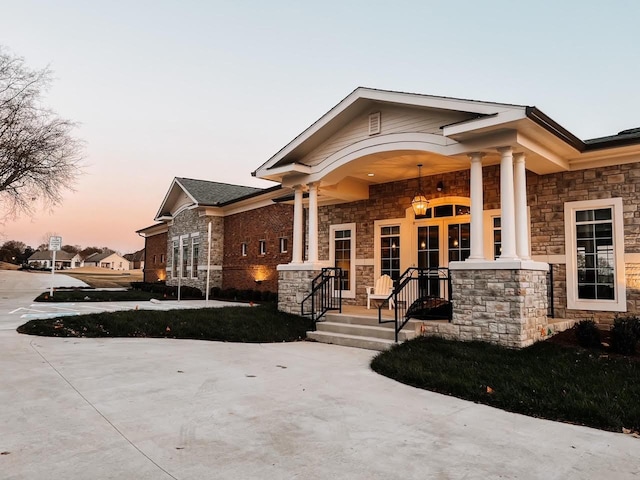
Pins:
x: 507, y: 204
x: 313, y: 223
x: 522, y: 230
x: 298, y: 211
x: 477, y: 208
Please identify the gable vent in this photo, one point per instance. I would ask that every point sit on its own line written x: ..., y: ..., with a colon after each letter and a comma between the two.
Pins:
x: 374, y: 123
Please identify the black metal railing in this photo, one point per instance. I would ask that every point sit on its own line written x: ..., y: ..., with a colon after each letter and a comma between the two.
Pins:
x: 550, y: 307
x: 422, y: 293
x: 325, y: 295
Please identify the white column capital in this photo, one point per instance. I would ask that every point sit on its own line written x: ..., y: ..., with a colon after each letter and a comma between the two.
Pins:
x: 507, y: 150
x: 519, y: 157
x: 476, y: 156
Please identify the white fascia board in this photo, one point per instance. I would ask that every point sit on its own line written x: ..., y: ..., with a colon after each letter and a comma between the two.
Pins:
x: 279, y: 172
x: 543, y: 152
x: 211, y: 212
x: 486, y: 122
x: 153, y: 230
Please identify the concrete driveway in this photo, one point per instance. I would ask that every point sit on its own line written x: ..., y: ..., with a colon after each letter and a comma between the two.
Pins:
x: 182, y: 409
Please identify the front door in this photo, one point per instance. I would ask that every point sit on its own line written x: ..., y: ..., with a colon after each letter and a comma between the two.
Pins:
x: 440, y: 242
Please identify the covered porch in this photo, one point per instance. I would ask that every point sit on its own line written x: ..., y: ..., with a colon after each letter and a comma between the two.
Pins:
x: 354, y: 208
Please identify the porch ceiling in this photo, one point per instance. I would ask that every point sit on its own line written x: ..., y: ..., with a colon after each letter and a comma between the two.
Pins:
x: 385, y: 167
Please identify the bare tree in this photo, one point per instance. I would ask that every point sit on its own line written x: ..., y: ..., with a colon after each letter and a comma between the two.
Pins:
x: 39, y: 157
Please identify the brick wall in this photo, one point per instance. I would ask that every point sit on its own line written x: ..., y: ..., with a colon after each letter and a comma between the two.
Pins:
x: 155, y: 246
x: 268, y: 223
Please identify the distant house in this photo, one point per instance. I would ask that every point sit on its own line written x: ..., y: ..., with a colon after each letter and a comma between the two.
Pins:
x: 44, y: 258
x: 136, y: 259
x: 109, y: 260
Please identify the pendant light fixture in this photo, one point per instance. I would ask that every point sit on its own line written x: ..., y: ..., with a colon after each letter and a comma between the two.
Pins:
x: 419, y: 202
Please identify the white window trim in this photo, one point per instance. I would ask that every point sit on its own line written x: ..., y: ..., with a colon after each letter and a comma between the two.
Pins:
x: 286, y: 240
x: 351, y: 293
x: 243, y: 249
x: 619, y: 304
x: 262, y: 247
x: 405, y: 249
x: 184, y: 241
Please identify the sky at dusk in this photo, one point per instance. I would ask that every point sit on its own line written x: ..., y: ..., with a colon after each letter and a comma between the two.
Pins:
x: 212, y: 89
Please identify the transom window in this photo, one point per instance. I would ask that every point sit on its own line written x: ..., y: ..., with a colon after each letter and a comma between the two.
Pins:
x: 447, y: 210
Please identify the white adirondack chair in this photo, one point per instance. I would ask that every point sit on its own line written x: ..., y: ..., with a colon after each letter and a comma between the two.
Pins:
x: 381, y: 291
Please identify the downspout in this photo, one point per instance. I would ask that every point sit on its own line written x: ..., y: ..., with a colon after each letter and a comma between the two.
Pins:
x: 145, y: 257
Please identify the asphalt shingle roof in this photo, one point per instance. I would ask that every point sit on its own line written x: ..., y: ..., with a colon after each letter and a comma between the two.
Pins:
x: 215, y: 193
x: 48, y: 255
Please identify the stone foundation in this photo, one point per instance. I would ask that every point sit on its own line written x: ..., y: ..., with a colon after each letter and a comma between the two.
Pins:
x: 502, y: 306
x: 293, y: 287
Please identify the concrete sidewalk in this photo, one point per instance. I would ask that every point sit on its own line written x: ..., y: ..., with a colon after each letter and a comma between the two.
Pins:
x: 182, y: 409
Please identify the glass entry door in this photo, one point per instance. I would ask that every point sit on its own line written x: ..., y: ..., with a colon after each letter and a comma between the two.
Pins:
x: 437, y: 250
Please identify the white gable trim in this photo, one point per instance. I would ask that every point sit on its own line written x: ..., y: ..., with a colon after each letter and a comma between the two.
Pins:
x: 174, y: 184
x: 407, y: 99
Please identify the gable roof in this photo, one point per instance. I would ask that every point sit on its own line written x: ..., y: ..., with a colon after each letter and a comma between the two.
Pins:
x: 97, y: 257
x: 135, y: 256
x: 205, y: 193
x: 48, y: 255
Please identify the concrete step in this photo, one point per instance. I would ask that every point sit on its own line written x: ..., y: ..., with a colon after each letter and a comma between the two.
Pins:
x: 357, y: 319
x: 368, y: 343
x: 374, y: 331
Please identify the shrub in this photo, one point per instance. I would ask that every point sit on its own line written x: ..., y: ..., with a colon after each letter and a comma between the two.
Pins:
x: 243, y: 295
x: 168, y: 291
x: 588, y: 334
x: 624, y: 335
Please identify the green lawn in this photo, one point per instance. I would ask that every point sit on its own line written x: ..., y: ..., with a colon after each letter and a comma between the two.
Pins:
x: 259, y: 324
x: 544, y: 380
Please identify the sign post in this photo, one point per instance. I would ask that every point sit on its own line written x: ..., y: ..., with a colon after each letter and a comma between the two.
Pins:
x: 55, y: 243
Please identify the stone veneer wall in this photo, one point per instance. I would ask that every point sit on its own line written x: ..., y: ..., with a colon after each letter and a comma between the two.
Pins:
x: 186, y: 223
x: 546, y: 197
x: 293, y: 287
x: 506, y: 307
